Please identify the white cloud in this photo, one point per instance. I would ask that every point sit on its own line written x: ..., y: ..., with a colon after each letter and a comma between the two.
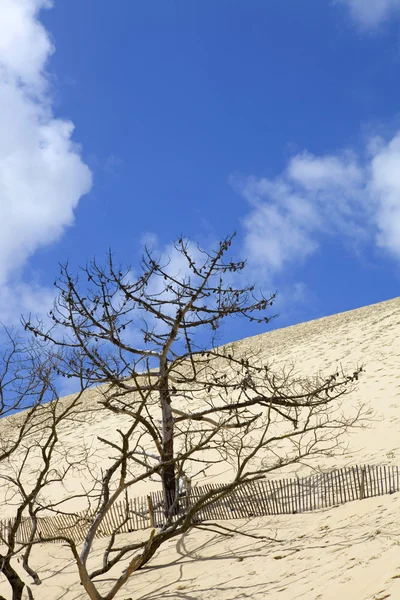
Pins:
x: 42, y: 176
x: 325, y: 171
x: 20, y: 298
x: 354, y: 198
x: 371, y: 13
x: 277, y: 230
x: 384, y: 188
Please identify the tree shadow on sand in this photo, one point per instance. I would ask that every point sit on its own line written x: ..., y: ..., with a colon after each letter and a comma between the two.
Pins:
x: 309, y: 550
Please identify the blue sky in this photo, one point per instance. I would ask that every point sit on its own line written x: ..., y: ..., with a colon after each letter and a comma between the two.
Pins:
x: 131, y: 120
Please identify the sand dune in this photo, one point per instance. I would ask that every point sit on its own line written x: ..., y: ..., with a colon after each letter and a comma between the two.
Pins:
x: 351, y: 551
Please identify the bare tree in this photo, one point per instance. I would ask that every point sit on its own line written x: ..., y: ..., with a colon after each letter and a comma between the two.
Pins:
x: 188, y: 404
x: 23, y: 385
x: 28, y: 441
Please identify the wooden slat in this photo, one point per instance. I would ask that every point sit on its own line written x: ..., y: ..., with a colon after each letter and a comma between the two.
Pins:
x: 325, y: 501
x: 357, y: 481
x: 213, y: 509
x: 330, y: 488
x: 282, y: 495
x: 264, y: 492
x: 306, y: 493
x: 343, y: 484
x: 352, y: 484
x: 309, y: 494
x: 292, y: 497
x: 242, y: 505
x: 339, y: 487
x: 278, y: 505
x: 220, y: 507
x: 362, y: 483
x: 378, y: 481
x: 259, y: 498
x: 314, y: 483
x: 371, y: 481
x: 367, y: 484
x: 300, y: 494
x: 289, y: 496
x: 254, y: 504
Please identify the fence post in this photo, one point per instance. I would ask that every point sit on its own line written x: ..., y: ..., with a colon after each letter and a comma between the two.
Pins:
x: 362, y: 484
x: 151, y: 510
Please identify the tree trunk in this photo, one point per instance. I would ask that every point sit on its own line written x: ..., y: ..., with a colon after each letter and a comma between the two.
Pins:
x: 168, y: 472
x: 16, y: 583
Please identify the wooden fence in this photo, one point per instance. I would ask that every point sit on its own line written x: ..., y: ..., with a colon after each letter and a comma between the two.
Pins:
x: 261, y: 498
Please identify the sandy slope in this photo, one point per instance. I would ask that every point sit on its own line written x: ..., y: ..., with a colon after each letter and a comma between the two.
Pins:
x: 350, y: 551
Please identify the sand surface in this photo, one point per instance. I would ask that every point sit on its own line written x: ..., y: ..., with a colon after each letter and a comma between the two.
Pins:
x: 351, y: 551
